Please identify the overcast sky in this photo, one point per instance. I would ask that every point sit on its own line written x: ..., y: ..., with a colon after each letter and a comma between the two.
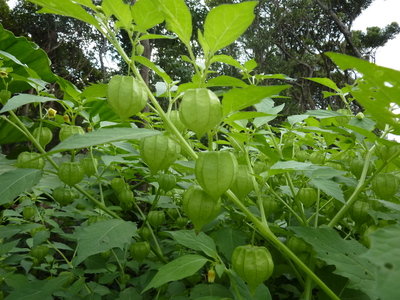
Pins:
x: 381, y: 13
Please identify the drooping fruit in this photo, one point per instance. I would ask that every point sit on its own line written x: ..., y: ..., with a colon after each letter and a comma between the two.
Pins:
x: 166, y: 182
x: 243, y: 183
x: 270, y: 205
x: 28, y: 212
x: 159, y: 152
x: 69, y: 130
x: 253, y: 264
x: 200, y: 207
x: 44, y: 135
x: 71, y: 172
x: 385, y: 185
x: 215, y: 171
x: 298, y: 245
x: 126, y: 96
x: 359, y: 212
x: 64, y: 195
x: 139, y: 250
x: 357, y: 166
x: 200, y: 110
x: 117, y: 184
x: 30, y: 160
x: 176, y: 120
x: 317, y: 158
x: 39, y: 252
x: 308, y: 196
x: 89, y: 165
x: 156, y: 218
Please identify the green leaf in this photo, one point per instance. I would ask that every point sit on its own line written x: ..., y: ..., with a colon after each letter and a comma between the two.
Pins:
x: 330, y: 187
x: 146, y: 14
x: 319, y: 113
x: 226, y: 81
x: 227, y: 60
x: 7, y: 247
x: 326, y: 82
x: 66, y: 8
x: 29, y: 57
x: 226, y: 23
x: 38, y: 290
x: 22, y: 99
x: 103, y: 236
x: 208, y: 291
x: 103, y: 136
x: 159, y: 71
x: 199, y: 242
x: 385, y: 255
x: 177, y: 269
x: 15, y: 182
x: 120, y: 10
x: 245, y: 115
x: 267, y: 106
x: 377, y: 89
x: 237, y: 99
x: 177, y: 17
x: 345, y: 255
x: 228, y: 239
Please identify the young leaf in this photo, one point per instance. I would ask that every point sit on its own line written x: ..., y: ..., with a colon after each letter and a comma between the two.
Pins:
x: 225, y: 23
x: 177, y: 269
x: 237, y: 99
x: 178, y: 18
x: 199, y: 242
x: 345, y: 255
x: 120, y: 10
x: 146, y: 14
x: 66, y: 8
x: 23, y: 99
x: 103, y: 236
x: 326, y: 82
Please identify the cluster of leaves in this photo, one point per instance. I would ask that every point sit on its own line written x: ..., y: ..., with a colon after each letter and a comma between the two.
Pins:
x: 108, y: 212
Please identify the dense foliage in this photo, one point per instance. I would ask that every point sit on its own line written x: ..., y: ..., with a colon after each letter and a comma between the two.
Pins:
x: 201, y: 198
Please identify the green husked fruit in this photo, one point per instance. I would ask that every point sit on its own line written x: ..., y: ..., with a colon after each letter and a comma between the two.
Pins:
x: 359, y: 212
x: 357, y: 165
x: 385, y: 185
x: 30, y: 160
x: 69, y: 130
x: 243, y: 183
x: 43, y: 134
x: 126, y: 198
x: 4, y: 96
x: 270, y: 205
x: 166, y: 182
x: 126, y: 96
x: 308, y: 196
x: 39, y: 252
x: 386, y: 152
x: 28, y: 212
x: 117, y: 184
x: 146, y: 233
x: 89, y: 165
x: 215, y: 171
x: 64, y: 195
x: 156, y: 218
x: 159, y: 152
x: 253, y: 264
x: 301, y: 155
x: 200, y: 207
x: 200, y: 110
x: 181, y: 222
x: 71, y: 172
x: 298, y: 245
x: 317, y: 158
x: 139, y: 251
x: 176, y: 120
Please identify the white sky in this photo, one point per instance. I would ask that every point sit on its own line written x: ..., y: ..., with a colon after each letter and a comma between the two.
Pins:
x: 380, y: 13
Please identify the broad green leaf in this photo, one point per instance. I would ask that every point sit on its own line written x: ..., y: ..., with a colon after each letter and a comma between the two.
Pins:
x: 38, y: 290
x: 267, y: 106
x: 120, y: 10
x: 246, y: 115
x: 5, y: 248
x: 227, y: 239
x: 345, y: 255
x: 15, y: 182
x: 199, y: 242
x: 177, y: 17
x: 29, y: 57
x: 319, y: 113
x: 87, y: 3
x: 146, y: 14
x: 22, y: 99
x: 66, y: 8
x: 237, y: 99
x: 326, y: 82
x: 9, y: 134
x: 330, y: 187
x: 103, y: 236
x: 208, y: 291
x: 262, y: 292
x: 7, y: 232
x: 226, y: 81
x: 226, y: 23
x: 294, y: 166
x: 103, y: 136
x: 385, y: 255
x: 177, y: 269
x: 376, y: 90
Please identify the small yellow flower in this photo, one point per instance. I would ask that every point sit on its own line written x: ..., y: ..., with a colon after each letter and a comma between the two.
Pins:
x: 67, y: 119
x: 52, y: 113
